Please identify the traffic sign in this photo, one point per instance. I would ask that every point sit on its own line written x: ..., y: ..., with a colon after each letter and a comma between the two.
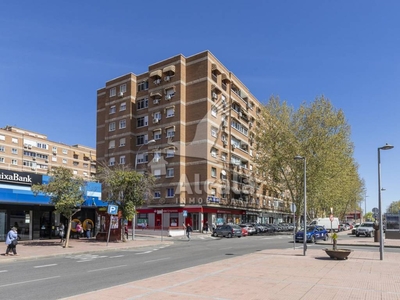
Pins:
x: 293, y: 208
x: 331, y: 217
x: 112, y: 209
x: 375, y: 210
x: 184, y: 213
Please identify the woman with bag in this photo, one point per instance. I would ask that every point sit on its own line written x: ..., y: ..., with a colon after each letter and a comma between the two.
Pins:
x: 12, y: 241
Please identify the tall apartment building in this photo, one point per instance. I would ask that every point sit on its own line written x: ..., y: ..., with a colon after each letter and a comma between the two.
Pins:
x: 191, y: 123
x: 25, y: 158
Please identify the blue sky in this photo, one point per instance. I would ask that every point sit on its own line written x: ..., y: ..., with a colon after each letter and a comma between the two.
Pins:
x: 54, y: 55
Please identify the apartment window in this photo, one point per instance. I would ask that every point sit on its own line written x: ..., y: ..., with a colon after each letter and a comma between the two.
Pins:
x: 86, y: 166
x: 214, y: 172
x: 85, y: 174
x: 170, y: 153
x: 214, y: 152
x: 113, y: 92
x: 14, y: 140
x: 235, y: 160
x: 169, y: 93
x: 42, y: 146
x: 170, y: 172
x: 157, y: 156
x: 122, y: 160
x: 157, y: 134
x: 157, y: 173
x: 170, y: 192
x: 170, y: 132
x: 142, y: 158
x: 111, y: 162
x: 64, y: 161
x: 122, y: 124
x: 2, y: 160
x: 14, y: 162
x: 2, y: 137
x: 142, y: 121
x: 239, y: 127
x: 54, y: 149
x: 122, y: 142
x: 122, y: 106
x: 142, y: 103
x: 111, y: 144
x: 54, y: 158
x: 2, y: 149
x: 214, y: 131
x: 65, y: 151
x: 235, y: 142
x: 213, y: 191
x: 111, y: 126
x: 75, y: 163
x: 170, y: 112
x: 122, y: 88
x: 214, y: 111
x: 142, y: 139
x: 157, y: 194
x: 157, y: 117
x: 112, y: 109
x: 144, y: 85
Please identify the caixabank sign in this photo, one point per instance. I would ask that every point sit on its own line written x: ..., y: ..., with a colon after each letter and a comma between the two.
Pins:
x: 20, y: 178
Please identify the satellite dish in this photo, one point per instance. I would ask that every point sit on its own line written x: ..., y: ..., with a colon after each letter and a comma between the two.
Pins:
x: 223, y: 172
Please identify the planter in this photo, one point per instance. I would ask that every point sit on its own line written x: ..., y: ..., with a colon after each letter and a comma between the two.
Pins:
x: 340, y: 254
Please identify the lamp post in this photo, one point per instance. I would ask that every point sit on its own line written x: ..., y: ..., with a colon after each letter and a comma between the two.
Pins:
x: 365, y: 211
x: 298, y: 157
x: 381, y: 249
x: 136, y: 159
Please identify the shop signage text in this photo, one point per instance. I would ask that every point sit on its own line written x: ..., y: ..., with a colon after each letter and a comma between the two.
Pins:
x: 19, y: 177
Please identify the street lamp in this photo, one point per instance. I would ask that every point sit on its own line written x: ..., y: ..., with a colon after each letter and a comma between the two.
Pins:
x: 136, y: 159
x: 298, y: 157
x: 365, y: 211
x: 386, y: 147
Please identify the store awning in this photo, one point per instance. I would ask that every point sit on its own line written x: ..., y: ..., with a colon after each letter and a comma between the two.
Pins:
x: 225, y: 77
x: 157, y: 93
x: 169, y: 68
x: 156, y: 73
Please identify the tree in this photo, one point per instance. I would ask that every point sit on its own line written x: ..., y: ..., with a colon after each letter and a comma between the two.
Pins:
x: 66, y: 193
x: 394, y: 207
x: 319, y: 133
x: 126, y: 188
x: 368, y: 216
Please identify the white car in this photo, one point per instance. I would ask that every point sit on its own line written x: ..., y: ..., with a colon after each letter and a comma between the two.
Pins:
x: 366, y: 229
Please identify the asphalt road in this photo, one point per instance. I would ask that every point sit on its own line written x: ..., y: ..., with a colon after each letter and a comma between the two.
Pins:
x: 58, y: 277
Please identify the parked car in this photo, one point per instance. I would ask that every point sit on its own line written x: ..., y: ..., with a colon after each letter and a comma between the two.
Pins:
x: 228, y: 231
x: 250, y: 229
x: 344, y: 227
x: 366, y: 229
x: 354, y: 230
x: 314, y: 233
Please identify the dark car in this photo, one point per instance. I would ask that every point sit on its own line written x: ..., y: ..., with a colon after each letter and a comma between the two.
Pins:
x: 228, y: 231
x: 313, y: 233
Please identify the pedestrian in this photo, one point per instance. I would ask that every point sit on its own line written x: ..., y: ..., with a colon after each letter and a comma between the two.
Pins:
x: 12, y: 241
x: 88, y: 230
x: 78, y: 229
x: 61, y: 232
x: 188, y: 231
x: 205, y: 227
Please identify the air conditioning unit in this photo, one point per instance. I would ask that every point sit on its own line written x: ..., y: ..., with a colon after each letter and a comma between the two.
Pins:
x: 157, y: 81
x: 121, y: 94
x: 224, y: 124
x: 234, y: 146
x: 224, y: 143
x: 156, y: 101
x: 34, y: 158
x: 214, y: 96
x: 155, y: 120
x: 33, y: 169
x: 54, y: 152
x: 25, y: 145
x: 167, y: 78
x: 46, y: 161
x: 168, y: 97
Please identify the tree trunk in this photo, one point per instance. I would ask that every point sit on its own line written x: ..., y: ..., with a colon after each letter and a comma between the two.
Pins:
x: 68, y: 232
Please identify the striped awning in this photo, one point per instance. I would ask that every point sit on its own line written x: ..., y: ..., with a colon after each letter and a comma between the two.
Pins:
x: 156, y: 73
x: 157, y: 93
x: 225, y: 77
x: 169, y: 68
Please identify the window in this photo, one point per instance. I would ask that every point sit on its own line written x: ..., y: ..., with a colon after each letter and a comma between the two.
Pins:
x: 14, y: 162
x: 42, y: 146
x: 86, y: 166
x: 235, y: 160
x: 239, y: 127
x: 64, y: 161
x: 111, y: 144
x: 122, y: 142
x: 157, y: 194
x: 122, y: 106
x: 157, y: 173
x: 214, y: 152
x: 54, y: 149
x: 122, y: 88
x: 142, y: 103
x: 112, y: 109
x: 122, y: 160
x: 111, y: 162
x: 2, y: 160
x: 170, y: 112
x: 214, y: 172
x: 214, y: 111
x: 235, y: 142
x: 170, y: 192
x: 170, y: 153
x: 111, y: 126
x: 2, y: 137
x: 54, y: 158
x: 214, y: 131
x: 122, y: 124
x: 157, y: 134
x: 157, y: 156
x: 142, y: 158
x: 64, y: 151
x: 113, y: 92
x: 144, y: 85
x: 157, y: 117
x: 170, y: 132
x: 170, y: 172
x: 213, y: 191
x: 142, y: 121
x: 2, y: 149
x: 169, y: 92
x: 142, y: 139
x: 14, y: 140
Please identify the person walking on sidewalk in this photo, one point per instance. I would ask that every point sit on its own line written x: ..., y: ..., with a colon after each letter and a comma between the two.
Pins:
x: 188, y: 231
x: 11, y: 241
x: 88, y: 230
x: 61, y: 233
x: 78, y: 229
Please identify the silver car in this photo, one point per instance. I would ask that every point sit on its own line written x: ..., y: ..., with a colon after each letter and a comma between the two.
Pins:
x: 228, y: 231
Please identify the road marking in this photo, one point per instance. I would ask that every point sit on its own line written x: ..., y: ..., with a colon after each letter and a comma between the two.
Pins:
x: 116, y: 256
x: 154, y: 260
x: 29, y: 281
x: 144, y: 252
x: 107, y: 268
x: 3, y: 271
x: 45, y: 266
